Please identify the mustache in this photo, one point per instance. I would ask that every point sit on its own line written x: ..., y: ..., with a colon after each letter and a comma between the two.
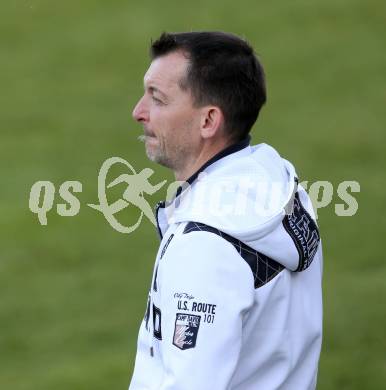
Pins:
x: 143, y: 137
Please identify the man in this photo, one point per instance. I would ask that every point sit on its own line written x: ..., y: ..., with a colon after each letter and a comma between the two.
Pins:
x: 235, y: 299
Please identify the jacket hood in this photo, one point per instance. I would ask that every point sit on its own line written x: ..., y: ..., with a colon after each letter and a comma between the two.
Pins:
x: 246, y: 195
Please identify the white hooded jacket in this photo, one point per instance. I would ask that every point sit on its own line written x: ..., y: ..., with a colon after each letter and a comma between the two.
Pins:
x: 235, y: 301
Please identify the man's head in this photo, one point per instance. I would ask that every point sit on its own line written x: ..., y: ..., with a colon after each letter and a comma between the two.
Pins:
x: 202, y: 89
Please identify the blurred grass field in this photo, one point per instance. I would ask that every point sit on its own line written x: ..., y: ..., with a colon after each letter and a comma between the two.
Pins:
x: 73, y: 292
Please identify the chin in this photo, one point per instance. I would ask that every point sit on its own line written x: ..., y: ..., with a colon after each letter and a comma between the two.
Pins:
x: 160, y: 159
x: 152, y: 155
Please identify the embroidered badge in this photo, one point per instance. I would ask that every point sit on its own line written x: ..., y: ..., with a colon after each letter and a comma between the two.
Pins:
x: 186, y: 330
x: 304, y: 233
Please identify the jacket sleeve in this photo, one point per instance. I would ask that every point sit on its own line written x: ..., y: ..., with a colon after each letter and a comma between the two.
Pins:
x: 206, y: 291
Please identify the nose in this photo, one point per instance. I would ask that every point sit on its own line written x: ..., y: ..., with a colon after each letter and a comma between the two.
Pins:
x: 140, y: 112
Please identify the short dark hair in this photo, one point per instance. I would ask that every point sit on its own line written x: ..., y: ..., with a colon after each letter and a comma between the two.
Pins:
x: 223, y: 71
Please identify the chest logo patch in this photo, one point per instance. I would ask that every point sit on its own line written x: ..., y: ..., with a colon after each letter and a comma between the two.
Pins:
x: 186, y: 330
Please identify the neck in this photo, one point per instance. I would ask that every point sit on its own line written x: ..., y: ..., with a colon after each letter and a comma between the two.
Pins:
x: 197, y: 161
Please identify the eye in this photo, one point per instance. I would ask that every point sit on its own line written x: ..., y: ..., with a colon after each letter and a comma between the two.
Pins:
x: 156, y: 100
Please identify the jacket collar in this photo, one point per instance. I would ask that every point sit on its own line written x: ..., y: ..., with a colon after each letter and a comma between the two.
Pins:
x: 236, y: 147
x: 225, y: 152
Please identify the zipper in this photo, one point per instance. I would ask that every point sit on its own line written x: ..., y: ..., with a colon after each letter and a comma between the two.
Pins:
x: 160, y: 204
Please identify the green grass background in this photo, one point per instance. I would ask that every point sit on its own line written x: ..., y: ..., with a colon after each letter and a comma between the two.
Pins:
x: 72, y: 293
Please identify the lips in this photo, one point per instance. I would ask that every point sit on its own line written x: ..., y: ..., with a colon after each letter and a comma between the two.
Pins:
x: 148, y: 133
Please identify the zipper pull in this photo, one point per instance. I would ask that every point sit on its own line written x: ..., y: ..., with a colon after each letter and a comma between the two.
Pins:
x: 160, y: 204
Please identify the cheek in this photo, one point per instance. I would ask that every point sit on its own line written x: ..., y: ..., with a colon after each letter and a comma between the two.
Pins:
x: 163, y: 118
x: 155, y: 114
x: 186, y: 119
x: 174, y: 121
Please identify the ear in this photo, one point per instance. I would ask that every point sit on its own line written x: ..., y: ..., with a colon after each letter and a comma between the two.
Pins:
x: 212, y: 120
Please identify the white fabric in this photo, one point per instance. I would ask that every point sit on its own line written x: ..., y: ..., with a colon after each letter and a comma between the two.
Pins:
x: 265, y: 338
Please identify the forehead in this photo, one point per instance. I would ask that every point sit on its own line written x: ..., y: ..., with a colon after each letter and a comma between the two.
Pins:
x: 165, y: 72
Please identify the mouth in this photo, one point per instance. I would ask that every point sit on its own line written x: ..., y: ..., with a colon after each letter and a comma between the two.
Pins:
x: 148, y: 133
x: 146, y: 136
